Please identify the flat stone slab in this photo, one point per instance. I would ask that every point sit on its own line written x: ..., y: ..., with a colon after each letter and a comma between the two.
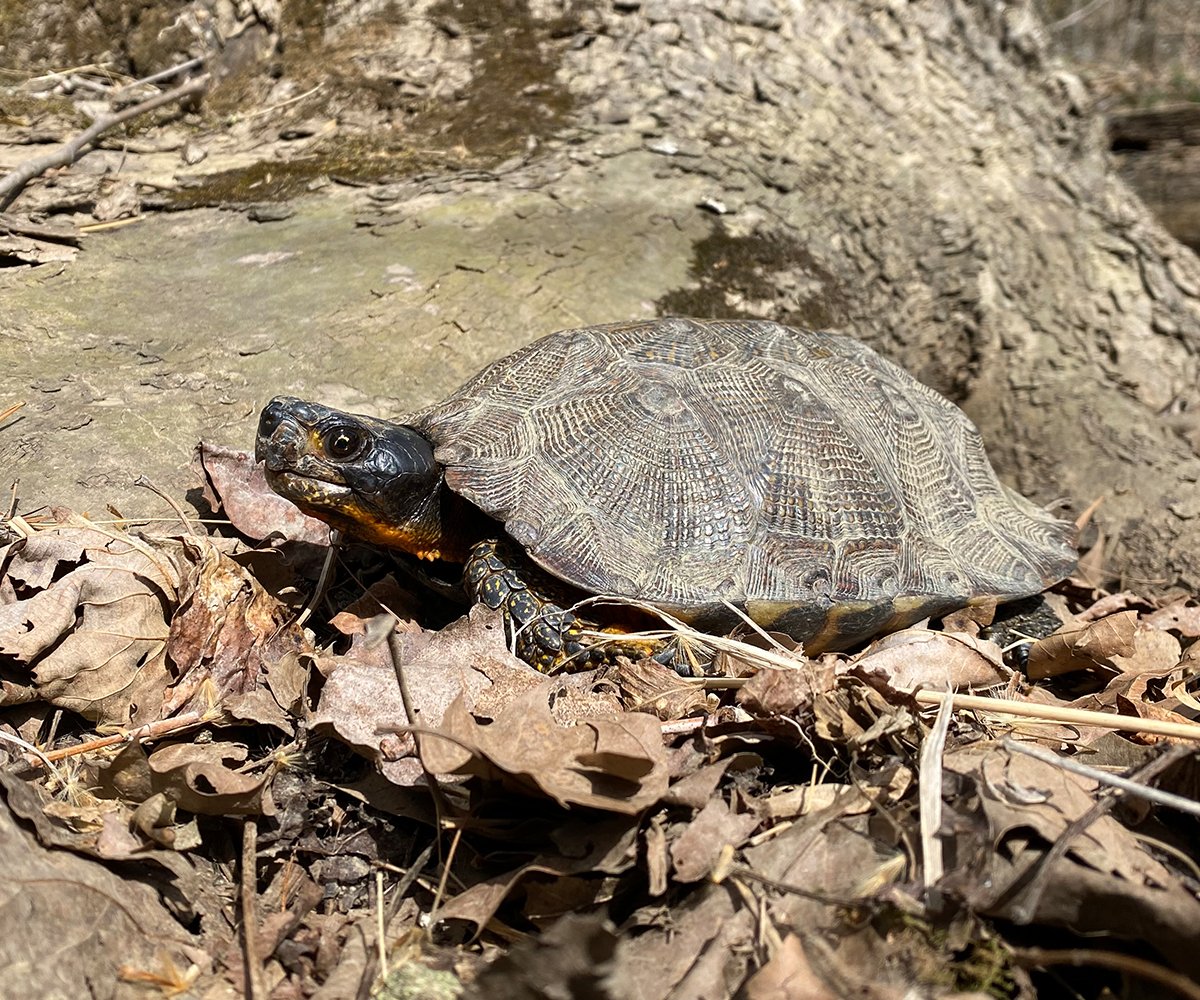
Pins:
x: 180, y: 326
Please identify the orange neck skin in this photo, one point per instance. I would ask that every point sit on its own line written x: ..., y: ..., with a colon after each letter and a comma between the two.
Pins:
x: 443, y: 527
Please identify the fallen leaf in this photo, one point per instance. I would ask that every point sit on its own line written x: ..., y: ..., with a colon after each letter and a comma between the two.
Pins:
x: 361, y: 701
x: 696, y: 850
x: 616, y: 764
x: 570, y: 959
x: 237, y: 649
x: 90, y: 629
x: 1182, y: 616
x: 1084, y: 646
x: 919, y: 658
x: 610, y: 847
x: 788, y: 803
x: 787, y: 976
x: 786, y: 690
x: 1007, y: 811
x: 208, y: 778
x: 648, y: 686
x: 235, y: 483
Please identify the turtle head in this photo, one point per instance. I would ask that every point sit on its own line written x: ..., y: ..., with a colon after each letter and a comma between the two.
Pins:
x: 371, y: 478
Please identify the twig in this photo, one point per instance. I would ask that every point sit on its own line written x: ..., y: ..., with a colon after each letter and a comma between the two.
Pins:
x: 1155, y: 795
x: 1084, y: 12
x: 441, y: 886
x: 165, y: 74
x: 1028, y: 887
x: 817, y: 897
x: 146, y: 484
x: 150, y: 731
x: 7, y: 412
x: 31, y: 751
x: 100, y: 227
x: 441, y: 807
x: 1070, y: 716
x: 381, y: 926
x: 254, y: 982
x: 283, y: 104
x: 65, y: 155
x: 932, y: 865
x: 318, y: 594
x: 1083, y: 957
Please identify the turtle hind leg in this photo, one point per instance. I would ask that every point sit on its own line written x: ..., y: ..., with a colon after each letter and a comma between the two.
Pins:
x: 547, y: 636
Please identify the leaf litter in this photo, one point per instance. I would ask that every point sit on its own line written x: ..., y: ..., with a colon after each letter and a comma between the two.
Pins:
x: 422, y: 810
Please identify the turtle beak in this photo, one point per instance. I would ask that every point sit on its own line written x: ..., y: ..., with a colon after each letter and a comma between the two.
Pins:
x: 280, y: 440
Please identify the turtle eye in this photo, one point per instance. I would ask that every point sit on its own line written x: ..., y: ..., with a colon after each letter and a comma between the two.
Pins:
x: 343, y: 442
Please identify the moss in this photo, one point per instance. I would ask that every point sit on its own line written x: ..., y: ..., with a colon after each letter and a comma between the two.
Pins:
x: 963, y: 956
x: 360, y: 160
x: 730, y: 271
x: 514, y: 92
x: 19, y: 108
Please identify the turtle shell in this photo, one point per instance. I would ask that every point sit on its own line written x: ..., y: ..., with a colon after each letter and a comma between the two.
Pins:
x: 792, y: 474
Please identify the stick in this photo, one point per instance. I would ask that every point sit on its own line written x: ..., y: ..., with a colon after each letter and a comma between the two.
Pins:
x: 51, y: 234
x: 65, y: 155
x: 933, y: 862
x: 1049, y: 713
x: 165, y: 74
x: 1154, y: 795
x: 254, y: 973
x: 150, y: 731
x: 1130, y: 964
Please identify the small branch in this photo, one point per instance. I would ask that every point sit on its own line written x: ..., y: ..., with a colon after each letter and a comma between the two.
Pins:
x: 150, y: 731
x: 1130, y: 964
x: 165, y: 74
x: 51, y: 234
x: 1155, y: 795
x: 254, y: 973
x: 65, y: 155
x: 1069, y: 716
x: 930, y: 788
x: 1082, y: 14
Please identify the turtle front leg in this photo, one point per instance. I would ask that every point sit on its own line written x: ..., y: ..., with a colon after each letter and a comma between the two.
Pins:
x: 548, y: 636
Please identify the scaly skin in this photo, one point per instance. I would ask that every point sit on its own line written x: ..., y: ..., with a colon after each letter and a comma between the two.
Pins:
x: 548, y: 636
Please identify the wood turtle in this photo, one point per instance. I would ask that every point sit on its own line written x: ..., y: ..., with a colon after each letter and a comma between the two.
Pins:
x: 691, y: 464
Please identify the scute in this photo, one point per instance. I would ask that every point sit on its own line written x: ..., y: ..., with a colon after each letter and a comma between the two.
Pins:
x: 793, y: 473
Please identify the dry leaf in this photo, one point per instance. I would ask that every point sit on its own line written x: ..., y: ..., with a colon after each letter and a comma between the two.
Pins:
x: 919, y: 658
x: 1008, y: 809
x: 1182, y: 616
x: 361, y: 701
x: 648, y: 686
x: 90, y: 627
x: 236, y: 647
x: 610, y: 847
x: 1084, y: 646
x: 234, y: 483
x: 788, y: 976
x: 617, y: 764
x: 787, y: 690
x: 79, y: 921
x: 696, y: 850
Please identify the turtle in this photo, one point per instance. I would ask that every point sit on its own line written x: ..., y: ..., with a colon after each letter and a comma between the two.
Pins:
x: 712, y: 469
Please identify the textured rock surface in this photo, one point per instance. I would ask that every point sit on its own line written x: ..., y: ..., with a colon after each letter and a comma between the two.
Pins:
x: 920, y: 175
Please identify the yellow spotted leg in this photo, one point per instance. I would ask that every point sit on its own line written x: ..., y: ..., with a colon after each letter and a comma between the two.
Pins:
x: 547, y: 636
